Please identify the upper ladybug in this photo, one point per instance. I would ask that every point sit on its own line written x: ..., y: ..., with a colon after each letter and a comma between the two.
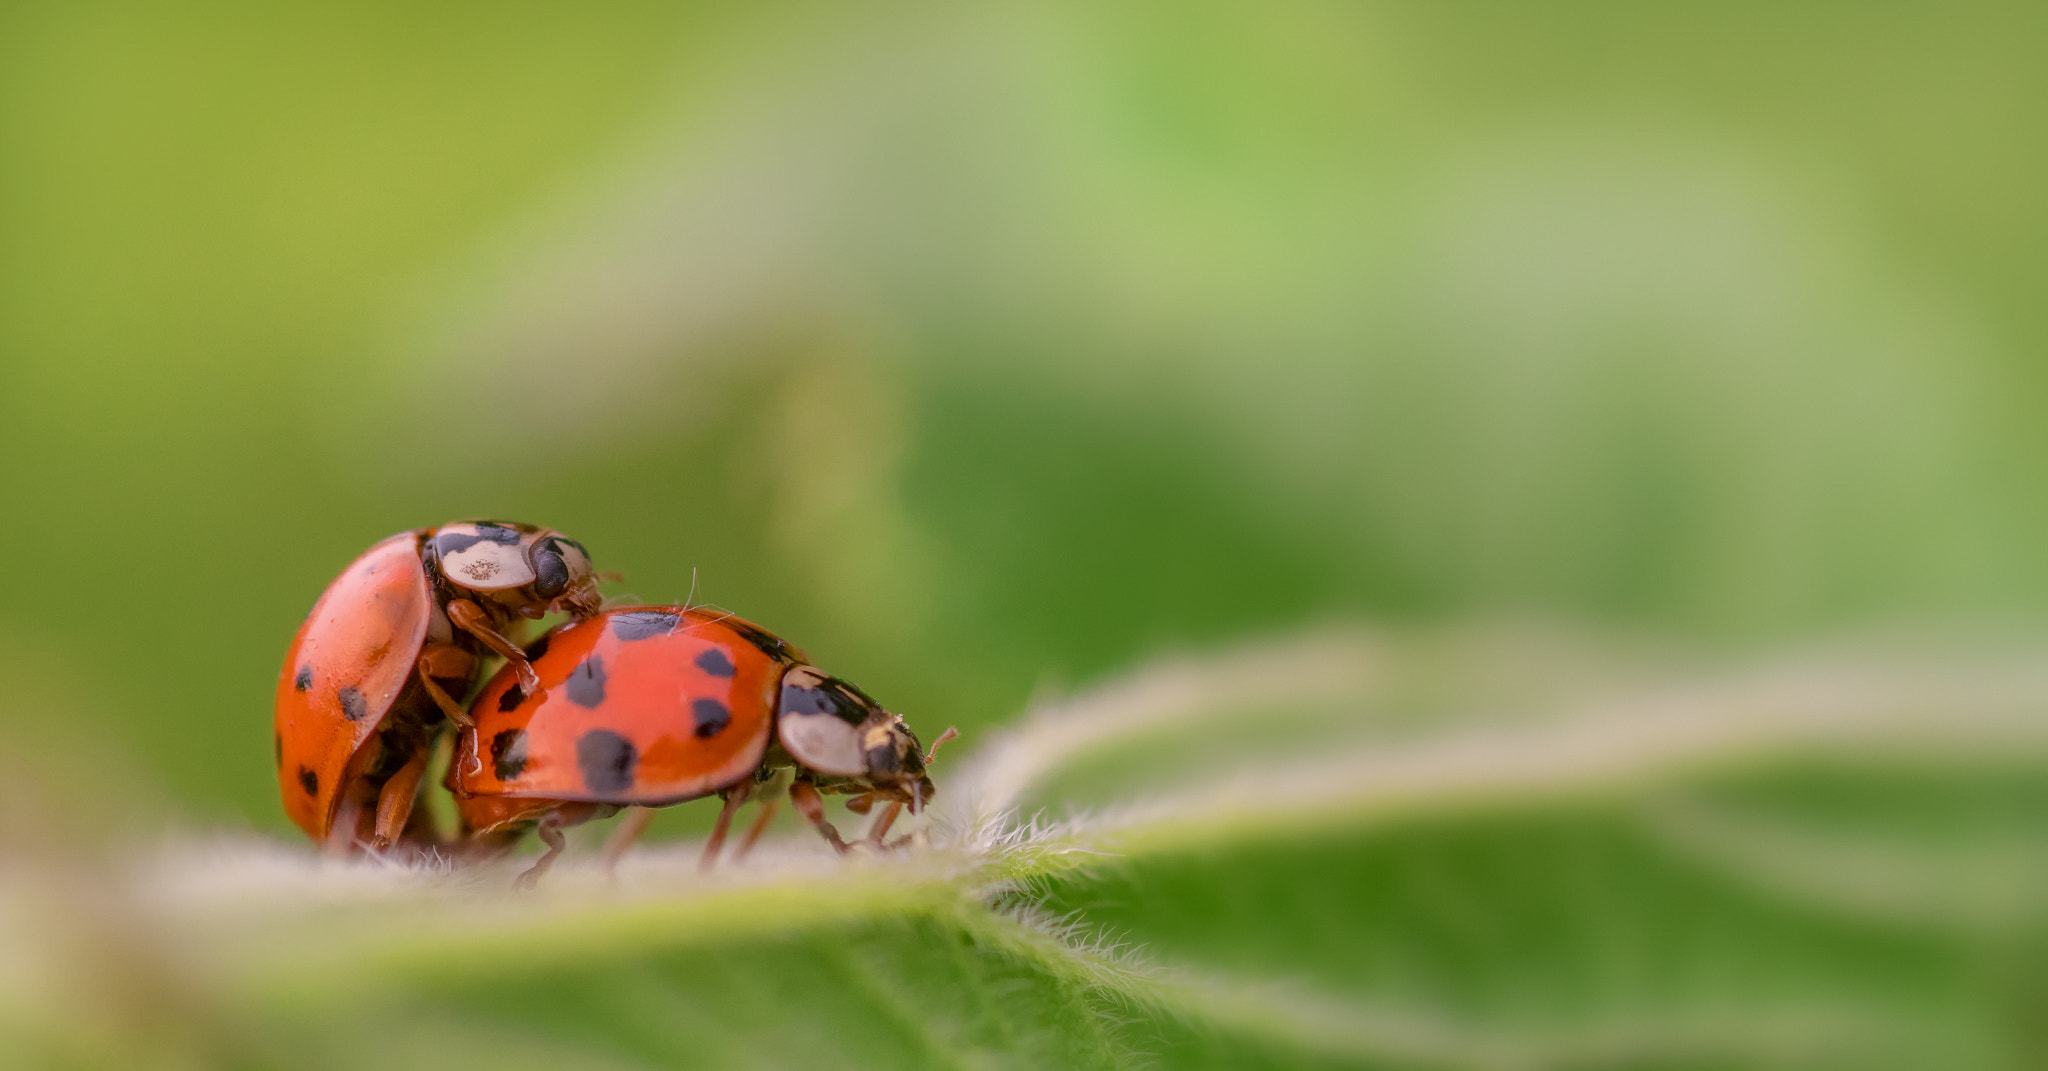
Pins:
x: 390, y: 647
x: 652, y: 705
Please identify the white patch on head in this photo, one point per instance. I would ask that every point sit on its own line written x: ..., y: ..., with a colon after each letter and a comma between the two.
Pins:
x: 485, y: 565
x: 823, y: 743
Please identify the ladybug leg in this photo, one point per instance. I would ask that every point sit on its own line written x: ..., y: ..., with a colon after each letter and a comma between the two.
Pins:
x: 342, y: 835
x: 628, y: 831
x: 446, y: 702
x: 761, y: 821
x: 769, y: 791
x: 550, y: 832
x: 470, y: 618
x: 883, y: 821
x: 805, y: 796
x: 562, y: 816
x: 394, y: 801
x: 736, y: 796
x: 446, y: 660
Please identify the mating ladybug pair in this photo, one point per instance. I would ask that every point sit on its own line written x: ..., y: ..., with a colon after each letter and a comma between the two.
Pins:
x: 634, y: 707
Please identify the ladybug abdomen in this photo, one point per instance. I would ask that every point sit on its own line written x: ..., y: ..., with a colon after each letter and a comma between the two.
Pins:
x: 648, y: 705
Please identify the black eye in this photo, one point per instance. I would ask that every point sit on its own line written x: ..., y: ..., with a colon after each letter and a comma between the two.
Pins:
x: 551, y: 573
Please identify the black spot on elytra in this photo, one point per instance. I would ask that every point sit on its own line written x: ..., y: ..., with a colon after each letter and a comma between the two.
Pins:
x: 486, y: 532
x: 353, y: 706
x: 607, y: 760
x: 644, y: 624
x: 508, y: 754
x: 769, y: 643
x: 711, y: 717
x: 309, y: 781
x: 304, y: 680
x: 513, y: 696
x: 538, y: 647
x: 585, y: 686
x: 714, y: 662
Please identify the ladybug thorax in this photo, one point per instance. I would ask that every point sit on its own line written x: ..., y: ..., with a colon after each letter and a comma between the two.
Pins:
x: 520, y: 567
x: 484, y: 556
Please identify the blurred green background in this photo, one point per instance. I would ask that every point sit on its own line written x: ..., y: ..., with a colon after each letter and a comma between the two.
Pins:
x: 986, y: 349
x: 989, y: 351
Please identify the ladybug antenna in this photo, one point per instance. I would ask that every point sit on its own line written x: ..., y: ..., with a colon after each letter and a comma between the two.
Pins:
x: 934, y: 749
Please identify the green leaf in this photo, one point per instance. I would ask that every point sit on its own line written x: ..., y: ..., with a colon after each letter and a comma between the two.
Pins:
x: 1476, y: 851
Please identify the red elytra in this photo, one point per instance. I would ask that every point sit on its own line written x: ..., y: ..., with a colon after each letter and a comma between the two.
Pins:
x: 655, y: 705
x: 367, y: 679
x: 614, y: 719
x: 345, y: 669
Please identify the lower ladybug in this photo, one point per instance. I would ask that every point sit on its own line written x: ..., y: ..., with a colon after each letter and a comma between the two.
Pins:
x: 388, y: 651
x: 655, y: 705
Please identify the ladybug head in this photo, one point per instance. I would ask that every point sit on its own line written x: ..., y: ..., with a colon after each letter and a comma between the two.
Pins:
x: 528, y: 570
x: 895, y: 758
x: 563, y: 577
x: 834, y: 729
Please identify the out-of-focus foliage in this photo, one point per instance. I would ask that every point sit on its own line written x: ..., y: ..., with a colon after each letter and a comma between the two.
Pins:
x: 1834, y: 862
x: 987, y: 350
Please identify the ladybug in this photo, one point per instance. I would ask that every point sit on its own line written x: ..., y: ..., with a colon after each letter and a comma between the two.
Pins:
x: 388, y: 649
x: 655, y: 705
